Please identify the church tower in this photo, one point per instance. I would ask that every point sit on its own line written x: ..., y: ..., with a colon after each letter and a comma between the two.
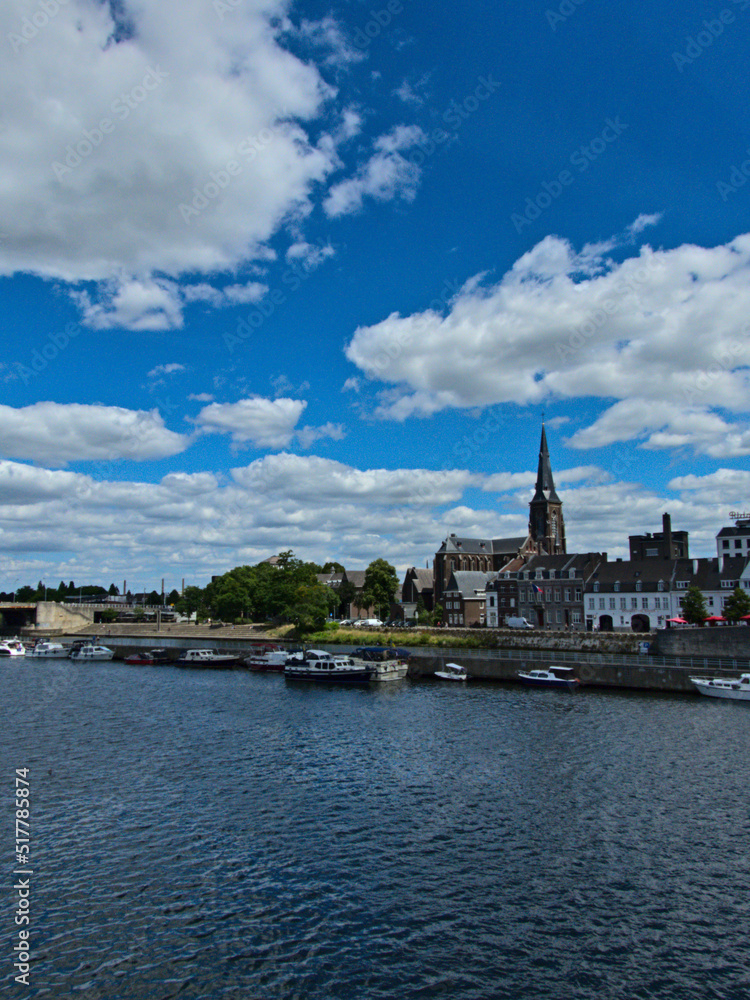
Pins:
x: 546, y: 525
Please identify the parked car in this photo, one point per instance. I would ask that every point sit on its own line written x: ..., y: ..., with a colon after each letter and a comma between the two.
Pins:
x: 369, y: 623
x: 518, y: 623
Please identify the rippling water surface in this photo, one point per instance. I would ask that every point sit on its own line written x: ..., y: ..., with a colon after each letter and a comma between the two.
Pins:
x: 222, y: 834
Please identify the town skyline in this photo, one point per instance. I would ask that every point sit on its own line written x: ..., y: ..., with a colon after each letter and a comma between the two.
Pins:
x: 314, y: 285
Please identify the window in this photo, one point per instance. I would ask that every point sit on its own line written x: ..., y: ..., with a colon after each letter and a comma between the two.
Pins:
x: 557, y: 595
x: 660, y: 587
x: 657, y: 602
x: 682, y: 584
x: 652, y: 552
x: 592, y: 603
x: 725, y: 543
x: 612, y: 604
x: 567, y: 595
x: 639, y: 585
x: 596, y: 587
x: 634, y: 602
x: 559, y: 617
x: 644, y: 604
x: 602, y: 603
x: 576, y: 617
x: 623, y: 603
x: 617, y: 586
x: 578, y: 593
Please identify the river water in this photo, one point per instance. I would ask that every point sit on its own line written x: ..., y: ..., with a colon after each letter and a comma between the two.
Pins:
x: 223, y: 834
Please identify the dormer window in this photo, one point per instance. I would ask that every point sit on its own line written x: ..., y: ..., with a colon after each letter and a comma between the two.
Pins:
x: 660, y: 585
x: 639, y: 585
x: 617, y: 586
x: 596, y: 587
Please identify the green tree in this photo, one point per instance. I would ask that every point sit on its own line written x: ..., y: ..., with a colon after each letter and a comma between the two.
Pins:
x: 113, y: 591
x: 381, y: 584
x: 737, y: 605
x: 191, y: 601
x: 694, y: 606
x: 345, y: 594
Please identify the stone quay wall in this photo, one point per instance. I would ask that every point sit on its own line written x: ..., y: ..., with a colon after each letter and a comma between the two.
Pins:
x: 715, y: 640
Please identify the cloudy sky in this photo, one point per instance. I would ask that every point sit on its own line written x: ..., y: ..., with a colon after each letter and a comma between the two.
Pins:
x: 308, y: 275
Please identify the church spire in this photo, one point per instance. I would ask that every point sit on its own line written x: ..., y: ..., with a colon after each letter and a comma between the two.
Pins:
x: 545, y: 484
x: 546, y: 525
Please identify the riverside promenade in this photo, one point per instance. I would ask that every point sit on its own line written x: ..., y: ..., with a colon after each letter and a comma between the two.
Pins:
x: 656, y: 661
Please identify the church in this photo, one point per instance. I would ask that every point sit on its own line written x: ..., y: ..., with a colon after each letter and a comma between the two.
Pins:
x: 546, y: 536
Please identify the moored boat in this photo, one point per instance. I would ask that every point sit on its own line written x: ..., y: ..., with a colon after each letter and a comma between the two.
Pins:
x: 151, y: 657
x: 47, y: 648
x: 559, y: 677
x: 318, y: 665
x: 268, y: 661
x: 12, y: 647
x: 390, y: 664
x: 452, y: 672
x: 90, y: 652
x: 736, y: 688
x: 207, y: 658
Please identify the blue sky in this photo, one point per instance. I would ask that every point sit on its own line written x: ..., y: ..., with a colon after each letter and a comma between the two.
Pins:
x: 307, y: 275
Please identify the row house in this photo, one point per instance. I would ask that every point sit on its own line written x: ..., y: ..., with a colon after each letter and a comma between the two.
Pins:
x: 464, y: 598
x: 417, y: 586
x: 716, y: 578
x: 551, y: 589
x: 630, y: 595
x: 735, y: 540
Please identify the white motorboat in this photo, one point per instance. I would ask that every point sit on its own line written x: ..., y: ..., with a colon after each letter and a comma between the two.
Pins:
x: 48, y: 648
x: 390, y: 664
x: 12, y: 647
x: 738, y: 689
x: 452, y: 672
x: 559, y: 677
x: 207, y: 658
x: 90, y: 652
x: 318, y: 665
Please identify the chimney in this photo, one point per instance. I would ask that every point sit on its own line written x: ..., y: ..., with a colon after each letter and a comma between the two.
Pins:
x: 667, y: 526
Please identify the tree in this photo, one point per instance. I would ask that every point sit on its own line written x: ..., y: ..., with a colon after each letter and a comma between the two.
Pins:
x: 332, y: 567
x: 345, y: 594
x: 381, y: 584
x: 191, y: 600
x: 737, y: 605
x: 694, y: 606
x: 113, y: 591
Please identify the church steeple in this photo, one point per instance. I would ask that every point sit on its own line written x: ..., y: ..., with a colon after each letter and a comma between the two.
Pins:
x: 546, y: 525
x: 545, y: 484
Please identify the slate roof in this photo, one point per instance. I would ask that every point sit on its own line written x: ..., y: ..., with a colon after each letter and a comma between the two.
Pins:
x: 466, y: 582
